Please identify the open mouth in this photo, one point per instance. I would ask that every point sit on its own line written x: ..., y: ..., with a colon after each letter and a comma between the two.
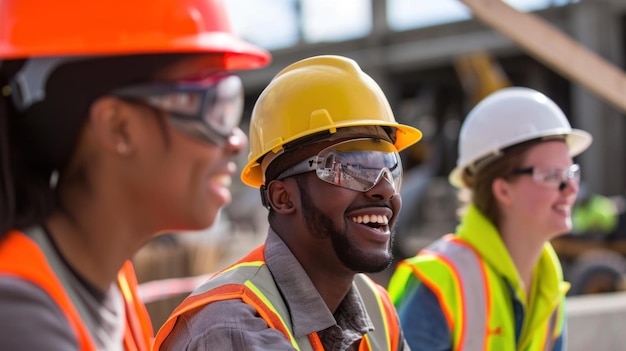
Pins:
x: 374, y: 221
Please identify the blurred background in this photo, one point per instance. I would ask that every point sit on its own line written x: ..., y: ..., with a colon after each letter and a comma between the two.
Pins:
x: 434, y: 60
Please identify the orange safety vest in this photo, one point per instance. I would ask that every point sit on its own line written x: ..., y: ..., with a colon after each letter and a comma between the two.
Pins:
x: 251, y: 281
x: 22, y: 257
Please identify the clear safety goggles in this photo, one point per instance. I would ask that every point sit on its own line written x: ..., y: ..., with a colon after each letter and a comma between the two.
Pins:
x: 209, y: 109
x: 357, y: 164
x: 555, y: 178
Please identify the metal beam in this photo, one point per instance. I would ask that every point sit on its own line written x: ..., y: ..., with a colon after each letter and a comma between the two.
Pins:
x: 405, y: 51
x: 555, y: 49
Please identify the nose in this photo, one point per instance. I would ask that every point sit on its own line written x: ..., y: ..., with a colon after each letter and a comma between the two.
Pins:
x: 569, y: 184
x: 237, y: 141
x: 385, y: 189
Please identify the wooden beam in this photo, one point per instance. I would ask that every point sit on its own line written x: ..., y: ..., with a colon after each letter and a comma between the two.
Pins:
x: 555, y: 49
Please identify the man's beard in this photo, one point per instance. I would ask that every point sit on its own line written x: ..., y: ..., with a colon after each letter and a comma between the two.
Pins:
x: 350, y: 255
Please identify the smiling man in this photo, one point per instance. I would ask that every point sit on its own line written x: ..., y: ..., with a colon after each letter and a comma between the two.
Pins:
x: 324, y: 149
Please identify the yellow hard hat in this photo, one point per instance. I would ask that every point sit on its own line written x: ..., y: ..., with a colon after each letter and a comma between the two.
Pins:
x: 317, y: 94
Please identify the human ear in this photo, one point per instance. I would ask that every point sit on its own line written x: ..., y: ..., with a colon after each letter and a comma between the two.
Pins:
x: 280, y: 197
x: 111, y: 127
x: 501, y: 191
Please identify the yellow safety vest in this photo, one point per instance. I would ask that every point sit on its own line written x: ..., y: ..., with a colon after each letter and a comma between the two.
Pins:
x: 475, y: 300
x: 251, y: 281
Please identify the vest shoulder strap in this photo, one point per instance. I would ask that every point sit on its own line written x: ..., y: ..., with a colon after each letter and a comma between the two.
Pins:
x: 138, y: 330
x: 382, y: 313
x: 250, y: 281
x: 466, y: 295
x: 37, y: 235
x: 139, y: 333
x: 472, y: 295
x: 21, y: 256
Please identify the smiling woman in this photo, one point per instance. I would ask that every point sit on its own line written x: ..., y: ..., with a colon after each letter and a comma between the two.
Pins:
x: 499, y: 269
x: 110, y: 137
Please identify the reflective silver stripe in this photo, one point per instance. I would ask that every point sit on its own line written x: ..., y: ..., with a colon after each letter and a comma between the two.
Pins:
x: 238, y: 275
x: 378, y: 337
x: 260, y: 277
x: 471, y: 283
x: 60, y: 270
x: 551, y: 329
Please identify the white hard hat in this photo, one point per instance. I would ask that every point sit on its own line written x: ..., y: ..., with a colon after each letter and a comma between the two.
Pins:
x: 511, y: 116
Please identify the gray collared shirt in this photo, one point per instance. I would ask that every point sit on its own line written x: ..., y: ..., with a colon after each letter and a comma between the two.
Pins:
x: 235, y: 325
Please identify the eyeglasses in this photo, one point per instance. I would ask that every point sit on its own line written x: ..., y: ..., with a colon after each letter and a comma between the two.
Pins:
x: 208, y: 110
x: 556, y: 178
x: 357, y: 164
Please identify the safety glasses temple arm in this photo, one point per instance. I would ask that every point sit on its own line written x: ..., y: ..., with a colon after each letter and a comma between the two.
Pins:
x: 302, y: 167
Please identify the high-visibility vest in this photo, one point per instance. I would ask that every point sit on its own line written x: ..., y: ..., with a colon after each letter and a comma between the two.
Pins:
x: 474, y: 299
x: 251, y: 281
x: 24, y: 256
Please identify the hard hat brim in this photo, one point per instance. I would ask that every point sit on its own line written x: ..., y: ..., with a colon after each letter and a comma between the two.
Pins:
x: 577, y: 141
x: 406, y: 136
x: 238, y: 54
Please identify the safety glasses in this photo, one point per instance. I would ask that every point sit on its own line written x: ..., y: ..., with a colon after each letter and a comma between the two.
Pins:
x: 357, y: 164
x: 208, y: 110
x: 555, y: 178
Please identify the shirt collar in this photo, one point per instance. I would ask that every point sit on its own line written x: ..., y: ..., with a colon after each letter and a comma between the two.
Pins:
x: 309, y: 312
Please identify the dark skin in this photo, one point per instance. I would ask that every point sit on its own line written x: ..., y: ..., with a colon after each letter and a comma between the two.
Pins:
x: 316, y: 220
x: 121, y: 204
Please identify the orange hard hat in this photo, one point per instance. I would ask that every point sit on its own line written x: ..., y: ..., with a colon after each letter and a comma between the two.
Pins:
x: 35, y: 28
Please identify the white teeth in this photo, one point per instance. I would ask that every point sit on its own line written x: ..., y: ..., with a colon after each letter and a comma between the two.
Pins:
x: 563, y: 208
x: 224, y: 180
x: 365, y: 219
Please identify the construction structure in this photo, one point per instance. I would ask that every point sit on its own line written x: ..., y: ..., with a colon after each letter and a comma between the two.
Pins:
x: 574, y: 53
x: 412, y: 63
